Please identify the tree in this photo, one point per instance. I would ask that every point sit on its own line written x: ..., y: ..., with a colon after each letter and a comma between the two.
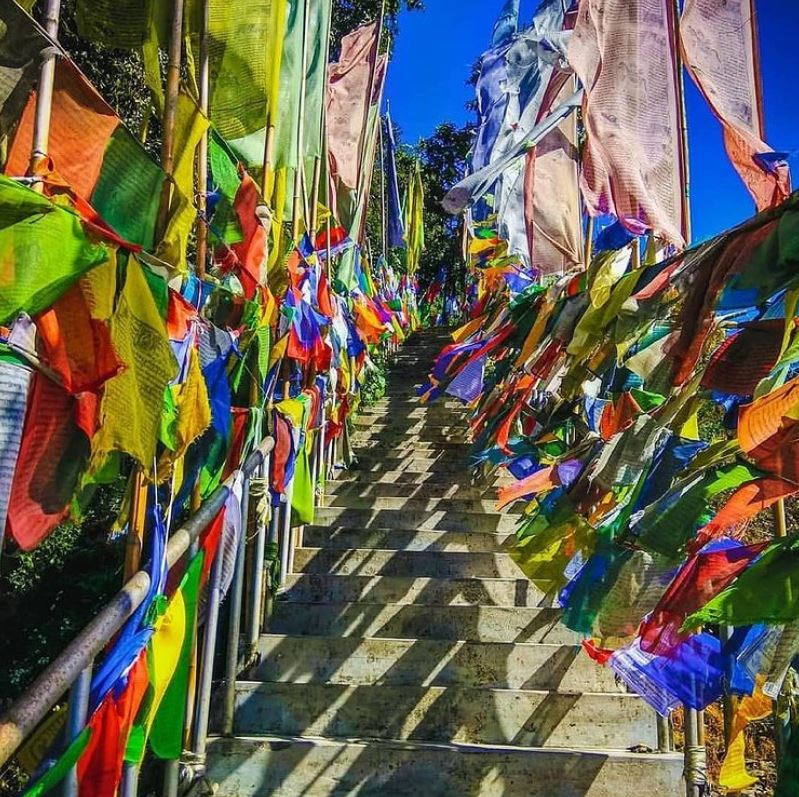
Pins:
x: 349, y: 14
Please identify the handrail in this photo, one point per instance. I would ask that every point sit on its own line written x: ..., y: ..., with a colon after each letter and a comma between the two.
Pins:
x: 25, y: 714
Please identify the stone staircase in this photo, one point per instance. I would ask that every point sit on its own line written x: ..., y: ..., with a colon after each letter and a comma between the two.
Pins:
x: 410, y: 656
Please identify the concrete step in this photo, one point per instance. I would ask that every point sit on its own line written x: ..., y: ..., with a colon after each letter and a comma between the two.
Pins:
x: 420, y: 564
x: 282, y: 767
x: 416, y: 462
x: 326, y: 588
x: 431, y: 438
x: 390, y: 423
x: 527, y: 718
x: 406, y: 540
x: 457, y: 623
x: 375, y: 480
x: 366, y: 442
x: 430, y: 520
x: 367, y: 488
x: 405, y: 662
x: 430, y: 415
x: 409, y: 400
x: 457, y: 504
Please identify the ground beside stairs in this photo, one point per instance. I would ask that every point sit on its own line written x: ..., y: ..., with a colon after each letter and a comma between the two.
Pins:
x: 410, y: 656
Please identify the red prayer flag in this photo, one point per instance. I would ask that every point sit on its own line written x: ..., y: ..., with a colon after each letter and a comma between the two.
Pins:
x: 52, y: 455
x: 700, y: 579
x: 100, y: 766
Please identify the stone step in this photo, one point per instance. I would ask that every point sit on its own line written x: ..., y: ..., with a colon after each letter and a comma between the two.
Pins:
x: 430, y: 416
x: 366, y: 488
x: 400, y: 478
x: 414, y: 462
x: 367, y: 442
x: 408, y: 400
x: 527, y: 718
x: 406, y: 540
x: 420, y: 564
x: 430, y: 520
x: 457, y: 504
x: 405, y: 662
x: 414, y: 434
x: 282, y: 767
x: 457, y: 623
x: 326, y: 588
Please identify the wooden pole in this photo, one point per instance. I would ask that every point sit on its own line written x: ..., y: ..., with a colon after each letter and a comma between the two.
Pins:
x: 170, y: 112
x: 300, y: 195
x: 202, y: 150
x: 685, y: 169
x: 589, y: 241
x: 381, y: 143
x: 44, y: 95
x: 317, y: 168
x: 135, y: 542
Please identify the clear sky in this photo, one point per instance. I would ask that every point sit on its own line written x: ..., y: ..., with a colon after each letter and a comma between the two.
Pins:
x: 436, y: 49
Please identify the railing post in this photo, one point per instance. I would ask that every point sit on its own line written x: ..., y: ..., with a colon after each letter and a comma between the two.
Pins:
x: 695, y: 756
x: 77, y: 716
x: 286, y: 541
x: 234, y: 627
x: 664, y: 734
x: 207, y: 658
x: 257, y: 584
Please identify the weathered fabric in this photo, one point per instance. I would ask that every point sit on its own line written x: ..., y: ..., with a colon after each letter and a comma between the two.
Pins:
x: 43, y: 250
x: 624, y: 53
x: 719, y: 41
x: 347, y: 98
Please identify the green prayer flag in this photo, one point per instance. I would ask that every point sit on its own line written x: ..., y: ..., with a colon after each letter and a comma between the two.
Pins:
x: 61, y: 768
x: 242, y: 62
x: 166, y: 734
x: 788, y: 780
x: 43, y: 250
x: 316, y: 76
x: 225, y: 180
x: 128, y: 190
x: 766, y: 592
x: 671, y: 521
x: 288, y: 118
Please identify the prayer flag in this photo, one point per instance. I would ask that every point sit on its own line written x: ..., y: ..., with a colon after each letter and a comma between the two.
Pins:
x: 52, y: 456
x: 43, y: 250
x: 719, y: 42
x: 624, y: 53
x: 132, y: 401
x: 396, y: 233
x: 348, y: 103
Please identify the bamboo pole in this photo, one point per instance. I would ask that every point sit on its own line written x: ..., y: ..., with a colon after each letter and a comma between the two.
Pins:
x: 170, y: 112
x: 589, y: 241
x: 300, y: 195
x: 381, y: 144
x: 317, y: 170
x: 44, y: 95
x: 685, y: 168
x: 202, y: 150
x: 138, y: 514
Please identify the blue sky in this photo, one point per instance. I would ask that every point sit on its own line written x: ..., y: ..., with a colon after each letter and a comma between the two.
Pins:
x: 436, y: 48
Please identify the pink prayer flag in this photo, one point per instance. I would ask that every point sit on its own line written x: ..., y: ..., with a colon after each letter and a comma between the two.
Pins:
x: 624, y: 53
x: 347, y: 96
x: 552, y: 198
x: 719, y: 43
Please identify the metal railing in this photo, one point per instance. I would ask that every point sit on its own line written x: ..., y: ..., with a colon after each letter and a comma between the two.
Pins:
x: 71, y: 671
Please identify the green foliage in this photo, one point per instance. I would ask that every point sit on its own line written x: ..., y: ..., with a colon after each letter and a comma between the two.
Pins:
x: 374, y: 388
x: 50, y: 593
x: 349, y: 14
